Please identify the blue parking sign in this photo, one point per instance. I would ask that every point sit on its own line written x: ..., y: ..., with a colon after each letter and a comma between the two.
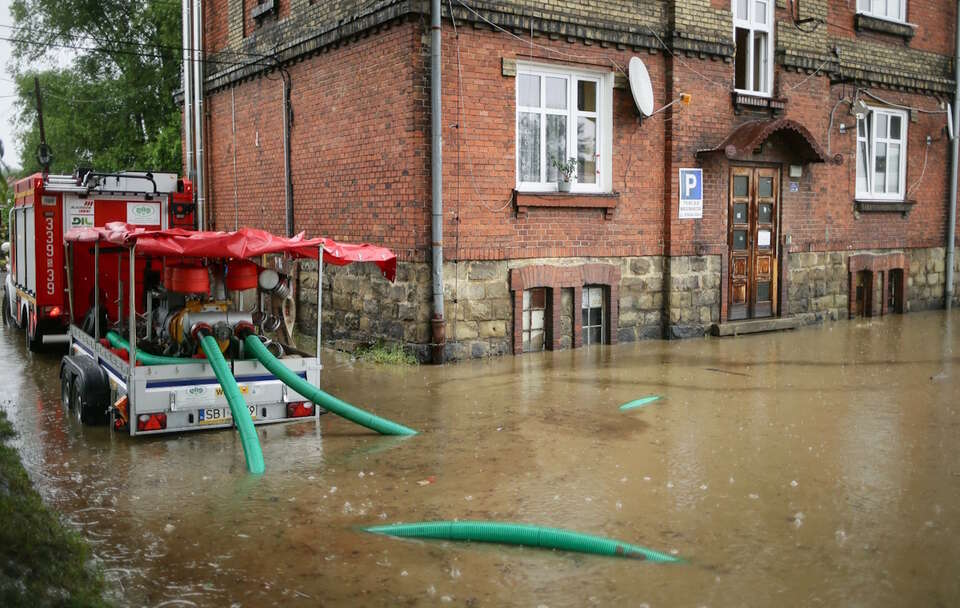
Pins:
x: 691, y: 194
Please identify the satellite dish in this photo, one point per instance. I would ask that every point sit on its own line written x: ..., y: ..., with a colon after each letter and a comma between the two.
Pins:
x: 640, y: 86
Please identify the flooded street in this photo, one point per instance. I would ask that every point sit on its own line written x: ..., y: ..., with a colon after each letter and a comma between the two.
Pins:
x: 819, y: 467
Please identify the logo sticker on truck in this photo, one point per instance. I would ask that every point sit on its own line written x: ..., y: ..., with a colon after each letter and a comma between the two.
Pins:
x: 79, y: 213
x: 143, y: 214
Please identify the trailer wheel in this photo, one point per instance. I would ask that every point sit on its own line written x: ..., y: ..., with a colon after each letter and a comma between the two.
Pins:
x: 66, y: 388
x: 83, y: 410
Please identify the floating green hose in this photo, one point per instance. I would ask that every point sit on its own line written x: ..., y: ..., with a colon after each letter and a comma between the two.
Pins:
x: 522, y: 534
x: 639, y: 403
x: 238, y: 406
x: 146, y: 358
x: 255, y: 347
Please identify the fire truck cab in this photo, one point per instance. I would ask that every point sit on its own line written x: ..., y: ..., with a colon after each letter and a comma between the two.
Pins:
x: 35, y: 296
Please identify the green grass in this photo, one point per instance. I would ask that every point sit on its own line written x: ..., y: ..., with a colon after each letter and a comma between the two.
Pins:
x: 42, y: 562
x: 379, y: 352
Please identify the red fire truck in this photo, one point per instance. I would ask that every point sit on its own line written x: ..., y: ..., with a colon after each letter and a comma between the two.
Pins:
x: 45, y: 207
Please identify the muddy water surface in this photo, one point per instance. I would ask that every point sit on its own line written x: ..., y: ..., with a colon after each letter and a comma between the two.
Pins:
x: 814, y: 468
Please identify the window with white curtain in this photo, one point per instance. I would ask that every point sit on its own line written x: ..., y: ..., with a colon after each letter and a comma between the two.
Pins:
x: 882, y: 154
x: 895, y: 10
x: 563, y: 114
x: 753, y: 38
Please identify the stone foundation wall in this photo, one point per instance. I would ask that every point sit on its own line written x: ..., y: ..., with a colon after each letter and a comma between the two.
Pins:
x: 819, y: 282
x: 360, y: 306
x: 694, y: 297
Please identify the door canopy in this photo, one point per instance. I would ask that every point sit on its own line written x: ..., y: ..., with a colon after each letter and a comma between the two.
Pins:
x: 743, y: 142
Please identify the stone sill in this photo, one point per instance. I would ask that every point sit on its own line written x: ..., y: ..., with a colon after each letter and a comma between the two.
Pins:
x: 608, y: 201
x: 747, y: 101
x: 867, y: 206
x: 885, y: 26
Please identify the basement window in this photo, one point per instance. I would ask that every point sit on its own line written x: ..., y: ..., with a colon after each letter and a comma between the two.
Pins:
x: 894, y: 10
x: 753, y: 38
x: 563, y: 114
x: 881, y: 155
x: 593, y: 315
x: 534, y: 314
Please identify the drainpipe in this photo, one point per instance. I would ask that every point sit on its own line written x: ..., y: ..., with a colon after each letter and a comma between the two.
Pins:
x: 198, y: 110
x: 436, y: 172
x: 188, y: 88
x: 954, y: 151
x: 288, y: 180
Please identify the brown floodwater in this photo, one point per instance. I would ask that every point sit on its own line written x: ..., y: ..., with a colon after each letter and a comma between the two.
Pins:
x: 819, y: 467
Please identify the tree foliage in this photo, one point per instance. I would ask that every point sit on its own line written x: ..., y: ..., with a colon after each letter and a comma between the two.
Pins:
x: 110, y: 105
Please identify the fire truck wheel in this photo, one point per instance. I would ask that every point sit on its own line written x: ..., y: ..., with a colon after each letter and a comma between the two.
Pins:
x: 34, y: 341
x: 6, y: 309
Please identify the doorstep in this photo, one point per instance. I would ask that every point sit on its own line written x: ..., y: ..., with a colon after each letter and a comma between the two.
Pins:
x: 754, y: 326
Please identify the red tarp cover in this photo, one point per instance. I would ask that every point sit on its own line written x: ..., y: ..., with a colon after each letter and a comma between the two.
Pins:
x: 244, y: 243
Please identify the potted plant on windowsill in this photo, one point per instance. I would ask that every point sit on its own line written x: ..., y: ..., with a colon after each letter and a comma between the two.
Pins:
x: 565, y: 173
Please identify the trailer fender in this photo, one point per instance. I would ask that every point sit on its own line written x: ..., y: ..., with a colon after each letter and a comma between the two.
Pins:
x: 91, y: 389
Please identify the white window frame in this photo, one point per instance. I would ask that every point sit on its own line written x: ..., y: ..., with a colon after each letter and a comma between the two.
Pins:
x: 586, y: 291
x: 604, y: 115
x: 866, y: 7
x: 752, y: 26
x: 871, y: 140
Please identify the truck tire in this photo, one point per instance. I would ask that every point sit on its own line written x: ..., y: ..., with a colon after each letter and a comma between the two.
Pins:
x: 34, y: 340
x: 6, y: 309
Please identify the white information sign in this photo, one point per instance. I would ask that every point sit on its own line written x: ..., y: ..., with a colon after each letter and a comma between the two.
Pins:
x: 691, y: 194
x: 79, y: 213
x: 763, y: 238
x: 143, y: 214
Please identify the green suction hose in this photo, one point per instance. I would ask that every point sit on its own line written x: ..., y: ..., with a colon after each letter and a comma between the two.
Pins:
x: 522, y: 534
x: 146, y: 358
x: 639, y: 403
x: 255, y: 347
x: 241, y: 415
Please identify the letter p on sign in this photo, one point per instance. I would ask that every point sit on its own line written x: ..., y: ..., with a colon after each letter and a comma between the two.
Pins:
x: 691, y: 194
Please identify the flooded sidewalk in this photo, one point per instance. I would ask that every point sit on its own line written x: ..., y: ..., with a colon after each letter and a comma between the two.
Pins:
x: 819, y: 467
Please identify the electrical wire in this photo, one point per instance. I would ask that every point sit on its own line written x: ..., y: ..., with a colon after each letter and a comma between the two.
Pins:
x: 817, y: 71
x: 926, y: 152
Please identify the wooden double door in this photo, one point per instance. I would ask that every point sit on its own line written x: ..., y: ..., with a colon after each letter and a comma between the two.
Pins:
x: 753, y: 237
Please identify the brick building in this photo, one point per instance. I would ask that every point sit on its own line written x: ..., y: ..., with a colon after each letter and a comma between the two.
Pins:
x: 818, y: 125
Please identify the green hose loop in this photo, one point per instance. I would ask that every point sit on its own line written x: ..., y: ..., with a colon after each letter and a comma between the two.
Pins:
x: 639, y: 403
x: 117, y: 341
x: 523, y: 534
x: 255, y: 347
x: 238, y: 406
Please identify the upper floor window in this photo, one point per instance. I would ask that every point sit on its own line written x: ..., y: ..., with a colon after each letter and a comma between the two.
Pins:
x: 895, y: 10
x: 563, y: 114
x: 881, y: 154
x: 753, y: 37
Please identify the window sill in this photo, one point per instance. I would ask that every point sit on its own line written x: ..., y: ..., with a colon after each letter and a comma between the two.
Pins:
x: 607, y: 201
x: 880, y: 206
x: 864, y: 22
x: 743, y: 100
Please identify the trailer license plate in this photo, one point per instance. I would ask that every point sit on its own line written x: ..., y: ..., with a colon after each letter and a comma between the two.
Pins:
x: 219, y: 415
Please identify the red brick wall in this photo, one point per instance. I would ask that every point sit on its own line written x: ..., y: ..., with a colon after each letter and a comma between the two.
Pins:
x: 479, y: 189
x: 215, y: 27
x: 361, y: 147
x: 360, y: 158
x: 933, y: 18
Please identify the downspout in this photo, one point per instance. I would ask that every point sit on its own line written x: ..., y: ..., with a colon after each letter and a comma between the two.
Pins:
x: 188, y: 88
x: 288, y: 180
x: 954, y: 151
x: 199, y: 187
x: 436, y: 173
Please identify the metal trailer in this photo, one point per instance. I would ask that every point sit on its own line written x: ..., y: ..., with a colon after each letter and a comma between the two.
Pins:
x: 45, y: 207
x: 154, y: 399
